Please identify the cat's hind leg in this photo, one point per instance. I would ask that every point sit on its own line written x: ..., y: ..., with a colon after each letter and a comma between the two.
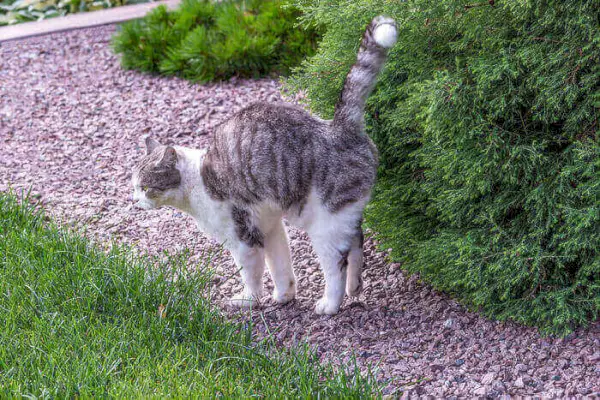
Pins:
x: 354, y: 282
x: 332, y: 241
x: 277, y: 255
x: 333, y: 256
x: 336, y: 240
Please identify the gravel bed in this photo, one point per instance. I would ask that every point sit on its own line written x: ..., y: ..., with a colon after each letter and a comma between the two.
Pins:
x: 70, y: 123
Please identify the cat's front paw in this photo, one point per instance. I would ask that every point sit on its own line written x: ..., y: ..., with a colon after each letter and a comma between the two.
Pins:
x: 325, y: 307
x: 243, y: 300
x: 284, y: 297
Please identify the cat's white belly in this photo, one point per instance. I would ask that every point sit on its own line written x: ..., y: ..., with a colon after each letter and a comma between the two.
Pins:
x: 217, y: 222
x: 314, y: 213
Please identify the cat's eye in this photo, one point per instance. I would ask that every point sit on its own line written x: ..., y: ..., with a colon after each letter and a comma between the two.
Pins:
x: 145, y: 188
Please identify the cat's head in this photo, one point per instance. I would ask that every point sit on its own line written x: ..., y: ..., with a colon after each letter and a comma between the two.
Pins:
x: 155, y: 178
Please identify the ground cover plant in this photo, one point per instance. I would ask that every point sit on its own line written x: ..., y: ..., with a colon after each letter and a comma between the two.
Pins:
x: 486, y: 118
x: 205, y: 40
x: 15, y: 11
x: 81, y: 322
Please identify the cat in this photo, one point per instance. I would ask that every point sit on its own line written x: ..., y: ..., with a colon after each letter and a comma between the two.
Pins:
x: 275, y: 160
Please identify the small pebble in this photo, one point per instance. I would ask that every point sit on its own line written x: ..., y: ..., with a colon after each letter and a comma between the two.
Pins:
x: 481, y: 391
x: 584, y: 391
x: 521, y: 368
x: 499, y: 386
x: 488, y: 378
x: 519, y: 383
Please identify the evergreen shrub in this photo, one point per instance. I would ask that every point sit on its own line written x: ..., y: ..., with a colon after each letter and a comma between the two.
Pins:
x: 205, y: 40
x: 486, y: 119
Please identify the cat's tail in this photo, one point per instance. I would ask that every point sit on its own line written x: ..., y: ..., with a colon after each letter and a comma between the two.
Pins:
x: 380, y: 35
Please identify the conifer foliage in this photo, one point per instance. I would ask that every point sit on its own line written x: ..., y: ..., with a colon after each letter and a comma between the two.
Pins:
x: 486, y: 118
x: 205, y: 40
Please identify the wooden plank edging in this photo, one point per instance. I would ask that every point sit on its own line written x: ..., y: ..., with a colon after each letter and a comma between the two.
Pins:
x: 81, y: 20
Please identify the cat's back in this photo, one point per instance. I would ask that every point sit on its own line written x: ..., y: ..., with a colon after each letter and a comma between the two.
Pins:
x: 270, y: 130
x: 277, y: 117
x: 279, y: 151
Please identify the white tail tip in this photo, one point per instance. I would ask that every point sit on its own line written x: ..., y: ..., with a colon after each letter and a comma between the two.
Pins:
x: 385, y: 33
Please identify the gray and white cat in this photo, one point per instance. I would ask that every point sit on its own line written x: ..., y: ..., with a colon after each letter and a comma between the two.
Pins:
x: 271, y: 161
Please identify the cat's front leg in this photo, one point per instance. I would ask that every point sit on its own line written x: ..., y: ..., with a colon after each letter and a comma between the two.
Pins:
x: 277, y: 255
x: 251, y: 262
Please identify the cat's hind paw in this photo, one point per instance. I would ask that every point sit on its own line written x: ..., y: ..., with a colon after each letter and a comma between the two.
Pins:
x: 325, y: 307
x: 354, y: 286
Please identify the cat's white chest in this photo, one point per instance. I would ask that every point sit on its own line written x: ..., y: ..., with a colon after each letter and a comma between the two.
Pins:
x: 214, y: 219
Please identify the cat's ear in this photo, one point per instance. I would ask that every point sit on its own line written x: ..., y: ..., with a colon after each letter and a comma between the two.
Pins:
x: 151, y: 144
x: 169, y: 158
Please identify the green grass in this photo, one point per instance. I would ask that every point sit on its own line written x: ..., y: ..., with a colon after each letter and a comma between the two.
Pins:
x: 80, y: 321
